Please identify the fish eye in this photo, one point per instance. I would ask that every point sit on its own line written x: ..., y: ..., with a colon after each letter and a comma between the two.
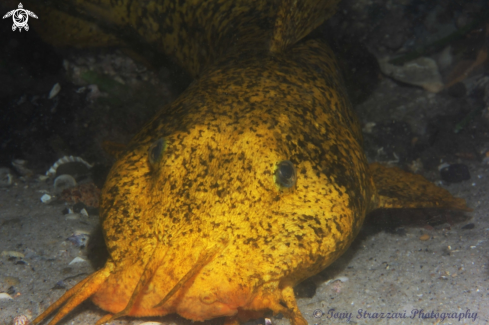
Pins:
x: 285, y: 174
x: 156, y: 150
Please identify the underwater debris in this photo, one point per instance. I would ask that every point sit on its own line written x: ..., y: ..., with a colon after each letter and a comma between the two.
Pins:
x: 46, y: 198
x: 64, y: 160
x: 5, y: 296
x: 79, y: 238
x: 439, y: 44
x: 421, y: 72
x: 21, y: 320
x: 20, y: 167
x: 54, y: 91
x: 77, y: 260
x: 87, y: 193
x: 6, y: 177
x: 12, y: 254
x: 63, y: 182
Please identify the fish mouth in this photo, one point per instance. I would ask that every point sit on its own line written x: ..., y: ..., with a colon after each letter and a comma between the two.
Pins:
x: 164, y: 283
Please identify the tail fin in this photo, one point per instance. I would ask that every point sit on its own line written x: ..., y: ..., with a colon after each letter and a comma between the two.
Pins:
x: 399, y: 189
x: 295, y: 19
x: 194, y: 33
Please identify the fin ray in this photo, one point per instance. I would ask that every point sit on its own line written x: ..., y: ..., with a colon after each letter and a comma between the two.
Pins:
x: 75, y: 296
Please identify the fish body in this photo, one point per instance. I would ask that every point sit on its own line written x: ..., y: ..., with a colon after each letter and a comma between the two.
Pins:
x: 253, y: 180
x: 214, y: 184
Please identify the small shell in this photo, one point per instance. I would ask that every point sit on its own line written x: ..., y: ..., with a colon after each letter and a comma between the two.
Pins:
x: 5, y: 296
x: 77, y: 260
x: 63, y: 182
x: 21, y: 320
x: 66, y: 159
x: 54, y: 91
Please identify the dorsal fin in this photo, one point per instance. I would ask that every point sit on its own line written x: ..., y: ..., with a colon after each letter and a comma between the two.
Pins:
x: 297, y: 18
x: 399, y: 189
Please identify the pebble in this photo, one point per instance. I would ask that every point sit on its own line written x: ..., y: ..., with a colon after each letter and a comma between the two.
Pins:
x: 424, y: 237
x: 79, y: 238
x: 468, y: 226
x: 455, y: 173
x: 421, y: 72
x: 46, y: 198
x: 12, y: 254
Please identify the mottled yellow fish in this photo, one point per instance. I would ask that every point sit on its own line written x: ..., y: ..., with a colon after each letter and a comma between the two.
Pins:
x: 253, y: 180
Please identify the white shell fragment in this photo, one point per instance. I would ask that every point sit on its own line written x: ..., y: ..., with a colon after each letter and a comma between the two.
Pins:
x: 6, y: 296
x: 84, y: 212
x: 77, y: 260
x: 21, y: 320
x: 64, y: 160
x: 54, y: 91
x: 6, y: 177
x: 12, y: 254
x: 63, y: 182
x: 421, y: 72
x: 46, y: 198
x: 341, y: 278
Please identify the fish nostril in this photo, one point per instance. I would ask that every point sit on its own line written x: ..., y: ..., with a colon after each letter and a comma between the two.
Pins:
x: 285, y: 174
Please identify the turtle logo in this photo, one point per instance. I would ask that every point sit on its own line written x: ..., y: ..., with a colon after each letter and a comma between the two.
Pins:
x: 20, y: 17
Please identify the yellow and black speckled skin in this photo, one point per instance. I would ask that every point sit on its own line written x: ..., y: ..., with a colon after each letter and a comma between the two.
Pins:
x: 194, y: 33
x: 214, y: 184
x: 203, y: 230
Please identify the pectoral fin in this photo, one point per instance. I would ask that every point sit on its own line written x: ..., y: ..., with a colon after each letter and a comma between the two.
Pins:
x: 399, y: 189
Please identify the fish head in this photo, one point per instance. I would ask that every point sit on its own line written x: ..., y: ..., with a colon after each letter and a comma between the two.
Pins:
x: 257, y: 172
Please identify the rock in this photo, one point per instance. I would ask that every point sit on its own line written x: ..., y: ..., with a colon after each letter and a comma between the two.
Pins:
x: 455, y: 173
x: 421, y: 72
